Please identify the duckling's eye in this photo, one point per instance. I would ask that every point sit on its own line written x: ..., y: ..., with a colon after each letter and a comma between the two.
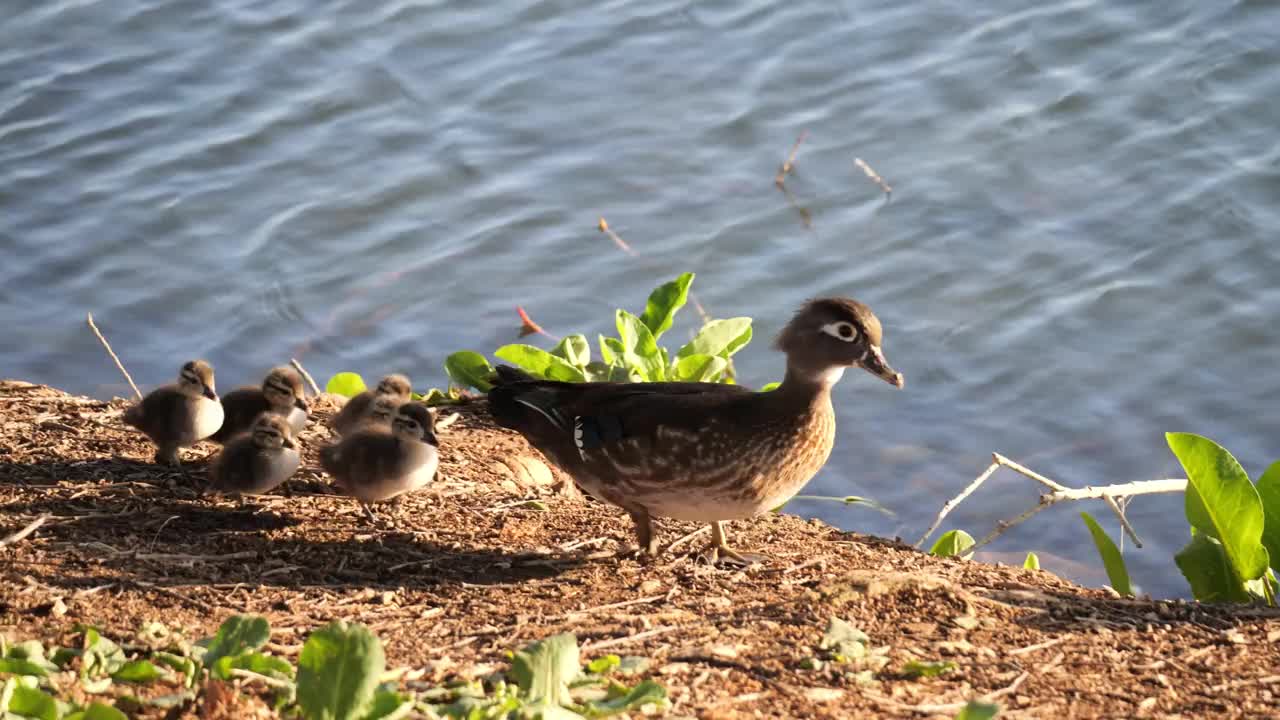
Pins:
x: 841, y: 330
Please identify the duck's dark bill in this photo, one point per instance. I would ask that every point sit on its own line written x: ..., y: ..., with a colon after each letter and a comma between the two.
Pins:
x: 875, y: 364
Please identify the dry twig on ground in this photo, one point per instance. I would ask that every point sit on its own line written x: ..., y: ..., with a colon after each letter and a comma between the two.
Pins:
x: 105, y: 344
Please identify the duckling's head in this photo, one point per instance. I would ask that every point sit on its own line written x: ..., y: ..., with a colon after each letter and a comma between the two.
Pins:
x: 394, y: 384
x: 415, y: 420
x: 271, y: 432
x: 283, y: 388
x: 196, y: 378
x: 383, y: 408
x: 829, y: 334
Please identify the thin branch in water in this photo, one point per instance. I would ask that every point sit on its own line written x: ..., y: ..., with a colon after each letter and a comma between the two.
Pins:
x: 806, y: 218
x: 789, y: 165
x: 105, y: 344
x: 617, y: 240
x: 953, y: 502
x: 24, y: 532
x: 305, y: 375
x: 875, y: 177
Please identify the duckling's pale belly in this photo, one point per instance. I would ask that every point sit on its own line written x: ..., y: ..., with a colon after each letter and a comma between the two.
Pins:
x: 379, y: 489
x: 297, y: 420
x: 206, y: 419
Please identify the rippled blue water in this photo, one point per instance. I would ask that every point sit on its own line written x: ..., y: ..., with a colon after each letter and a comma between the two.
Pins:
x: 1078, y: 254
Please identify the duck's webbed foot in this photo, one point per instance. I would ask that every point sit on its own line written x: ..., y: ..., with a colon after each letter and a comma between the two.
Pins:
x: 719, y: 553
x: 646, y: 538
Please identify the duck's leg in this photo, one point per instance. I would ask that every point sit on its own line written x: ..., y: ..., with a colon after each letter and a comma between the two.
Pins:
x: 646, y: 538
x: 719, y: 552
x: 167, y: 455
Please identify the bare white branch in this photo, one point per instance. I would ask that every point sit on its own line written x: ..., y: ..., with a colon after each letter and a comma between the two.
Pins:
x: 1058, y: 493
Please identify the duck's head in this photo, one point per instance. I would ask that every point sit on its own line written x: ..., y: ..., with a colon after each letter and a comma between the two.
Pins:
x: 829, y: 334
x: 283, y: 388
x: 415, y: 420
x: 271, y: 432
x: 394, y: 384
x: 196, y: 378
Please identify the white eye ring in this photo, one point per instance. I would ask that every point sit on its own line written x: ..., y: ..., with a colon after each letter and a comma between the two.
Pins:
x: 841, y: 330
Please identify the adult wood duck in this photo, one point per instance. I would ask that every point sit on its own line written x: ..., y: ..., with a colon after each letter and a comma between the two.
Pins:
x: 702, y: 452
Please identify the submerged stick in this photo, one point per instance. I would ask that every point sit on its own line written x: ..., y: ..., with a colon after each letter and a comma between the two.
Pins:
x: 105, y: 344
x: 875, y: 176
x: 789, y: 165
x: 305, y: 375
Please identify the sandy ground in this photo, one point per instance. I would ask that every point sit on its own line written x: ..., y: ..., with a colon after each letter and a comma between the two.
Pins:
x: 465, y: 570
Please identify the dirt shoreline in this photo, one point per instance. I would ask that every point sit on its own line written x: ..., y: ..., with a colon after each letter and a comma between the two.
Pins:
x: 473, y: 568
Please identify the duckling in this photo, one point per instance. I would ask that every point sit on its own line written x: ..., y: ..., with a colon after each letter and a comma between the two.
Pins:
x: 374, y: 464
x: 255, y: 462
x: 356, y: 411
x: 181, y: 414
x: 281, y: 393
x: 701, y: 452
x: 382, y: 411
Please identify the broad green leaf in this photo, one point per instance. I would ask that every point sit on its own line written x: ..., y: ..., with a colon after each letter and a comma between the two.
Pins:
x: 545, y: 668
x: 699, y: 368
x: 574, y: 349
x: 610, y: 350
x: 768, y: 387
x: 1269, y: 493
x: 1117, y: 573
x: 925, y: 668
x: 639, y: 350
x: 1221, y: 502
x: 978, y: 710
x: 22, y: 667
x: 1032, y: 562
x: 255, y: 662
x: 719, y: 337
x: 644, y: 693
x: 540, y: 363
x: 338, y: 672
x: 182, y: 664
x: 347, y: 384
x: 843, y: 640
x: 101, y: 656
x: 664, y: 301
x: 389, y: 705
x: 469, y: 369
x: 1204, y: 564
x: 236, y: 635
x: 137, y: 671
x: 32, y: 703
x: 953, y: 543
x: 598, y: 372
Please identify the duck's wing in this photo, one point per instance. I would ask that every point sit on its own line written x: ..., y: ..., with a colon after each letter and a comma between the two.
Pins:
x: 601, y: 425
x: 351, y: 413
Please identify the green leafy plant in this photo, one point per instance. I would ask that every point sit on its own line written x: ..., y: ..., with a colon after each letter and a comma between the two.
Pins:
x: 341, y: 674
x: 1226, y: 558
x: 1112, y: 560
x: 634, y: 355
x: 1032, y: 562
x: 953, y: 543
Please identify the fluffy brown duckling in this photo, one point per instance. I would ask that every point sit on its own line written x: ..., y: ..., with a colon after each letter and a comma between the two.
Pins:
x: 179, y: 415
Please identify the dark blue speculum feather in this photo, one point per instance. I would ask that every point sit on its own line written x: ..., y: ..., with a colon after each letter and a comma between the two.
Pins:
x: 593, y: 432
